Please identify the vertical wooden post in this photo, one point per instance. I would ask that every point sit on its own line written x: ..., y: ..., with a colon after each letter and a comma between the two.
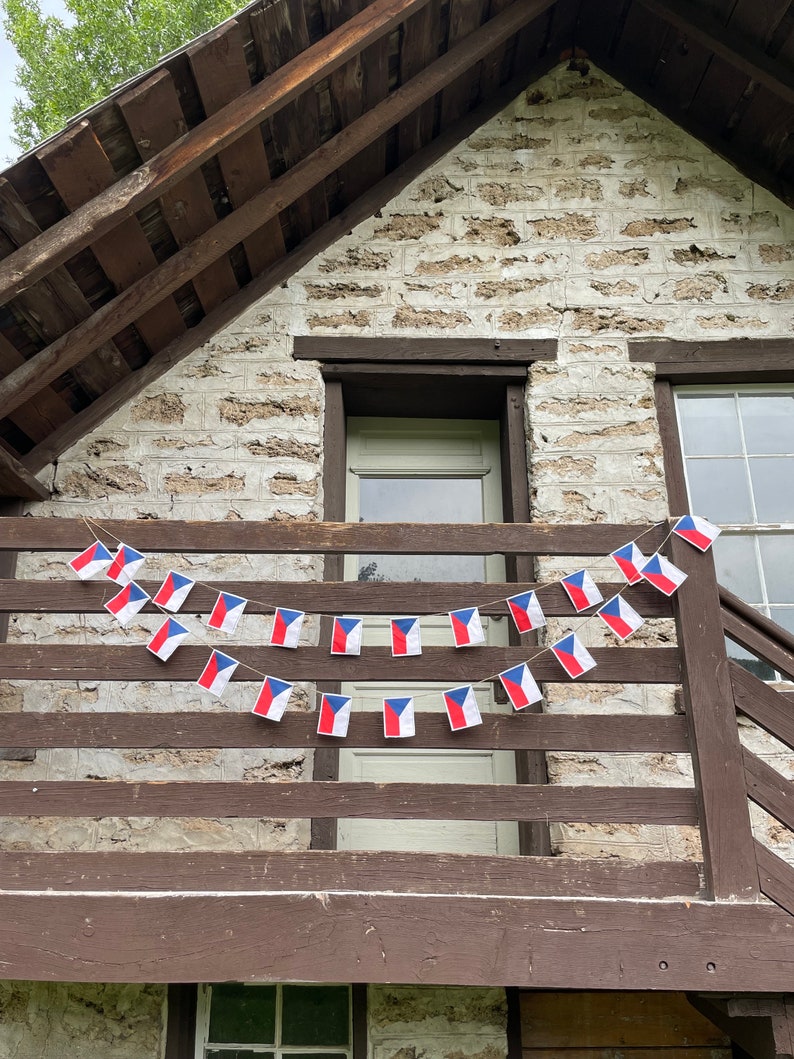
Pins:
x: 728, y: 853
x: 180, y: 1034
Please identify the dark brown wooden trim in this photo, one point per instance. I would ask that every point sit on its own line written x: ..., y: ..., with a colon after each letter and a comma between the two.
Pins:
x: 769, y: 788
x: 323, y: 597
x: 372, y: 801
x: 675, y: 480
x: 323, y: 870
x: 760, y: 623
x: 381, y: 937
x: 358, y: 999
x: 761, y: 1032
x: 590, y: 733
x: 515, y: 1044
x: 8, y: 566
x: 130, y: 194
x: 763, y: 704
x: 180, y: 1034
x: 17, y: 481
x: 776, y: 876
x: 19, y: 661
x: 757, y: 633
x: 495, y: 351
x: 716, y: 751
x: 67, y: 534
x: 737, y: 50
x: 737, y: 361
x: 370, y: 202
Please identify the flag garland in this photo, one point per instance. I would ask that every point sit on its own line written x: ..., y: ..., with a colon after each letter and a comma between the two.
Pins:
x: 399, y: 719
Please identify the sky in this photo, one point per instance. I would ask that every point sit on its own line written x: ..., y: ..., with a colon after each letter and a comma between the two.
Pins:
x: 8, y: 90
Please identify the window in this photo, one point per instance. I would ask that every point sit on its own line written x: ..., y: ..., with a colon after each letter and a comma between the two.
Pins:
x: 738, y: 450
x: 241, y: 1021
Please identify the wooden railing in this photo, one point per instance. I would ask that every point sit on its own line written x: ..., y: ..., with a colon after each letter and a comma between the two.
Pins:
x: 707, y: 731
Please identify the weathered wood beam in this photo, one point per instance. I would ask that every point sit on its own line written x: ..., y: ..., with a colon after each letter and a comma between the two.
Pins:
x: 428, y: 873
x: 762, y: 704
x: 763, y: 1035
x: 17, y: 481
x: 697, y: 24
x: 768, y: 788
x: 621, y: 734
x: 339, y: 538
x: 776, y: 876
x: 190, y: 151
x: 322, y: 936
x: 372, y: 801
x: 455, y: 350
x: 146, y: 293
x: 18, y: 661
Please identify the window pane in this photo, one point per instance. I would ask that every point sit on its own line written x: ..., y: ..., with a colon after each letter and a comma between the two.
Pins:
x: 421, y: 500
x: 709, y: 425
x: 719, y: 490
x: 243, y: 1014
x: 777, y: 559
x: 768, y: 421
x: 737, y: 566
x: 773, y: 488
x: 315, y: 1015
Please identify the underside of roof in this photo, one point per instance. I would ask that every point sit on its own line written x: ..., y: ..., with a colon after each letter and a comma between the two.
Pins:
x: 161, y: 213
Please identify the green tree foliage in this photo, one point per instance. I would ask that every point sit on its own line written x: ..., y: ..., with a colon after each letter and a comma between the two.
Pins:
x: 65, y: 65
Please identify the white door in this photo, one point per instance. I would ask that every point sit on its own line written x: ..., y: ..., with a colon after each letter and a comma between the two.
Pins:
x: 425, y: 470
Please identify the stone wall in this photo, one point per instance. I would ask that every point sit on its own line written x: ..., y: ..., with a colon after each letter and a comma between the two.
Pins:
x: 578, y: 214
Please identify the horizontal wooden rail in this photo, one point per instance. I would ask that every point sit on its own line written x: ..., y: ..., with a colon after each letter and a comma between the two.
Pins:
x: 326, y: 597
x: 645, y: 665
x: 762, y: 704
x: 759, y: 634
x: 331, y: 538
x: 376, y: 801
x: 322, y: 870
x: 769, y: 789
x: 626, y: 733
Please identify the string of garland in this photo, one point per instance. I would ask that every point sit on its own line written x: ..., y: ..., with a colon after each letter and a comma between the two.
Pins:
x: 346, y: 638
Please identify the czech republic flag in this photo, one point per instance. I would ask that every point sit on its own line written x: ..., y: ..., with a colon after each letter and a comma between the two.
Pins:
x: 462, y: 708
x: 95, y: 558
x: 406, y: 637
x: 125, y: 563
x: 334, y: 715
x: 466, y: 627
x: 174, y: 591
x: 520, y: 686
x: 272, y: 698
x: 526, y: 611
x: 167, y: 638
x: 398, y: 718
x: 346, y: 636
x: 286, y: 629
x: 620, y: 617
x: 661, y: 573
x: 698, y: 531
x: 581, y: 589
x: 227, y: 612
x: 217, y: 673
x: 573, y: 656
x: 630, y: 561
x: 126, y: 604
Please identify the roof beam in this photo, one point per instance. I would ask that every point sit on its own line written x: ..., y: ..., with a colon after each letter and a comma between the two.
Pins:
x: 141, y: 296
x: 729, y: 45
x: 16, y: 480
x: 130, y: 194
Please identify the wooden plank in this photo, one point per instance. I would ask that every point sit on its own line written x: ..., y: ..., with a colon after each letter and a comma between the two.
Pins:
x: 741, y: 352
x: 419, y: 374
x: 187, y: 154
x: 434, y: 350
x: 683, y: 1051
x: 343, y: 597
x: 751, y: 1035
x: 769, y: 788
x: 342, y: 538
x: 372, y: 801
x: 57, y: 304
x: 266, y: 205
x: 18, y: 661
x: 674, y: 477
x: 464, y: 18
x: 777, y: 878
x: 758, y: 642
x: 382, y: 937
x: 43, y: 413
x: 419, y: 47
x: 414, y: 872
x: 283, y: 270
x: 539, y: 731
x: 221, y: 72
x: 716, y: 752
x: 154, y: 117
x: 619, y: 1021
x: 763, y: 704
x: 79, y: 170
x: 17, y: 481
x: 280, y: 33
x: 8, y: 566
x: 730, y: 601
